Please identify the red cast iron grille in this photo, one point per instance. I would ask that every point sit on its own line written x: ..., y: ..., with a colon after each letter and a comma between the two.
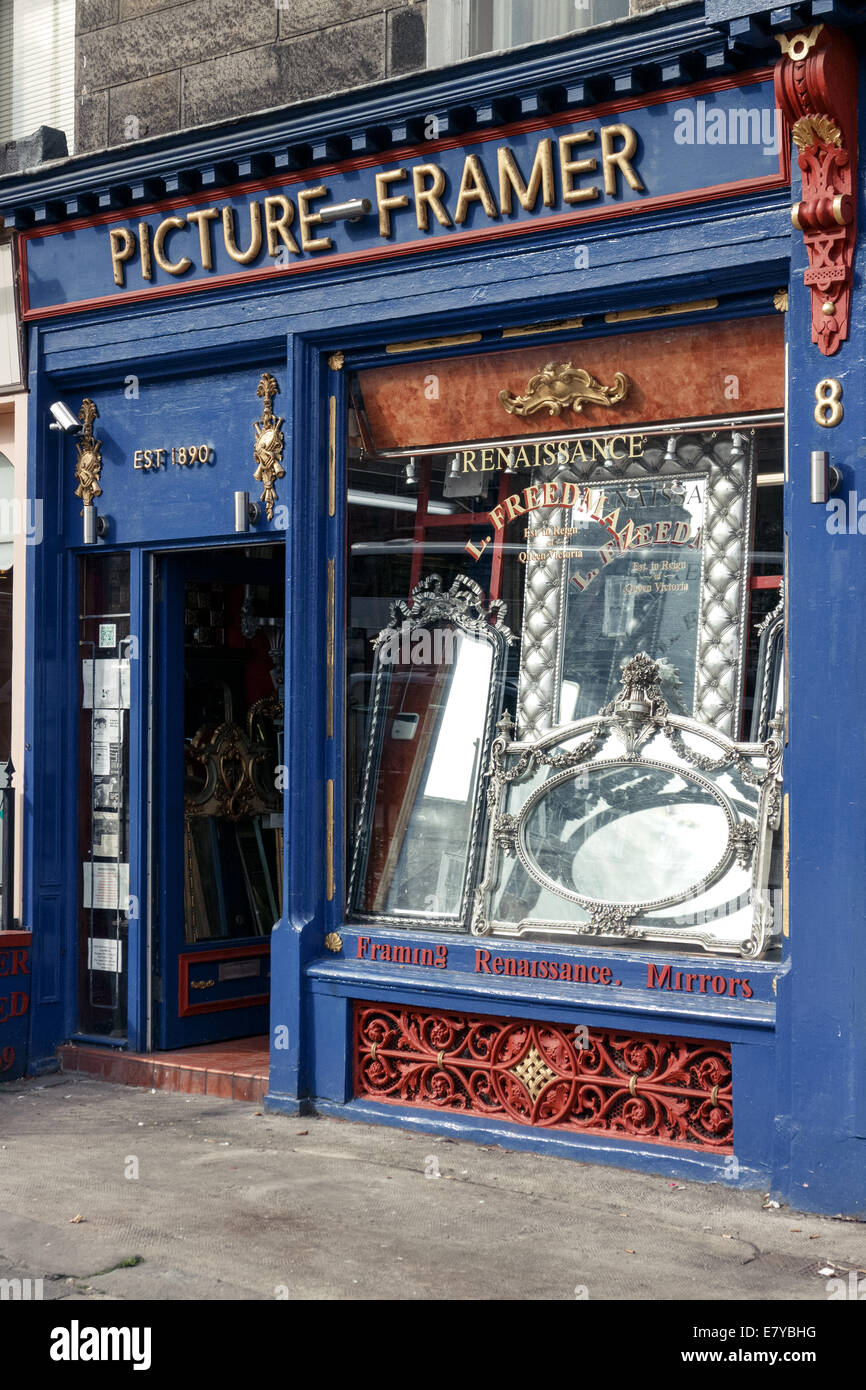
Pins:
x: 623, y: 1085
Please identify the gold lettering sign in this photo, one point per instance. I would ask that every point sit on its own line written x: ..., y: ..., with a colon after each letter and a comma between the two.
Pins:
x: 543, y: 453
x: 180, y: 455
x: 423, y: 191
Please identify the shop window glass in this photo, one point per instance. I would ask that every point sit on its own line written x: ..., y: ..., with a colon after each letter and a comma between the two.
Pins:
x: 105, y: 907
x: 7, y: 540
x: 559, y: 680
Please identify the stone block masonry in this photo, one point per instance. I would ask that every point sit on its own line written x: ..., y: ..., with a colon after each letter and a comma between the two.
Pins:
x: 151, y: 67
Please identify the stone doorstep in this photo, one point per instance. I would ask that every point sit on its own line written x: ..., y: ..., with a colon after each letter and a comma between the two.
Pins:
x: 224, y: 1070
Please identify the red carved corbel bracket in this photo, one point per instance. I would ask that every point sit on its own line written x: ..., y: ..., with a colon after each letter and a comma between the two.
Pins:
x: 816, y: 91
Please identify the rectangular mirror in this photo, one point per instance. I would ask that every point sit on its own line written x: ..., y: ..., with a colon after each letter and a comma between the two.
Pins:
x: 436, y: 693
x: 648, y: 555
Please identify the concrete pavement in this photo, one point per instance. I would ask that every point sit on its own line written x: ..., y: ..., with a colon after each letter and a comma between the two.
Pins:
x: 110, y: 1192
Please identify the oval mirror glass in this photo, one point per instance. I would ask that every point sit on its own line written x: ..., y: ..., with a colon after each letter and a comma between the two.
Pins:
x: 626, y: 833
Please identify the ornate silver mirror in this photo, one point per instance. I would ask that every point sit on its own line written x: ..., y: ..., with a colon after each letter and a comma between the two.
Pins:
x: 436, y: 693
x: 636, y: 824
x: 770, y: 682
x: 647, y: 554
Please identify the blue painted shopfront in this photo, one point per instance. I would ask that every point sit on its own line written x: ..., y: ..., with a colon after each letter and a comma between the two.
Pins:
x: 176, y: 362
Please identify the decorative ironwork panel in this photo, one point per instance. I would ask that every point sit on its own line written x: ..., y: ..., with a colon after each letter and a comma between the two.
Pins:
x: 624, y: 1085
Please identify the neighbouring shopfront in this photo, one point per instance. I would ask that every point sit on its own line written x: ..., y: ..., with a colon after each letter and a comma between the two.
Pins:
x: 443, y: 631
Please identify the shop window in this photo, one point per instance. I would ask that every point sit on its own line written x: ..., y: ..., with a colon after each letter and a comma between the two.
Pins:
x: 563, y: 641
x: 37, y: 67
x: 464, y: 28
x: 105, y: 906
x: 7, y: 541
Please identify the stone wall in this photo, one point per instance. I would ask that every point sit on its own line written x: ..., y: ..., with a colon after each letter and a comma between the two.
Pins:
x: 149, y: 67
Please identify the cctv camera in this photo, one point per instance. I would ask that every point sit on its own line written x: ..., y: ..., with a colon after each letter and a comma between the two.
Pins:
x: 64, y: 419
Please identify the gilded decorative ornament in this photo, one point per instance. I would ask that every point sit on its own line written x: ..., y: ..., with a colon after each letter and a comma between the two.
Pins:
x: 534, y: 1073
x: 336, y: 360
x: 780, y: 301
x: 88, y: 467
x: 797, y: 46
x: 333, y: 942
x: 560, y: 386
x: 810, y: 129
x: 268, y: 450
x: 228, y: 772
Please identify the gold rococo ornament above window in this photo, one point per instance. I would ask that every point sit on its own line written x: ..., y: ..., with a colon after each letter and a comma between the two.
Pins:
x: 268, y: 449
x: 88, y: 467
x: 559, y: 386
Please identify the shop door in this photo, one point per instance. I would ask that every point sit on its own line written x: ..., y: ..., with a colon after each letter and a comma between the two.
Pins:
x: 217, y: 825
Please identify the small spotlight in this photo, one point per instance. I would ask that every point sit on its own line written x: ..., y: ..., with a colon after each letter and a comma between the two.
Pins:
x: 246, y: 512
x: 94, y: 526
x: 632, y: 492
x: 676, y: 489
x: 737, y: 442
x: 510, y: 461
x: 671, y: 450
x: 352, y: 211
x: 562, y: 455
x: 411, y: 476
x: 454, y: 470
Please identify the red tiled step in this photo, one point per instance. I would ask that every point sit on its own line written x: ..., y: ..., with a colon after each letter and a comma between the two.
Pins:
x: 236, y: 1070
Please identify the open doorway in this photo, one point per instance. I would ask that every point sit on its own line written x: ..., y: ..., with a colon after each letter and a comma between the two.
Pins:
x: 218, y: 758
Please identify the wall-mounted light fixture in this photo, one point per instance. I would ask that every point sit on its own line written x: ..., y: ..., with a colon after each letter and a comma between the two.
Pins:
x: 247, y: 513
x: 94, y: 525
x: 351, y: 211
x: 825, y: 476
x: 411, y: 478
